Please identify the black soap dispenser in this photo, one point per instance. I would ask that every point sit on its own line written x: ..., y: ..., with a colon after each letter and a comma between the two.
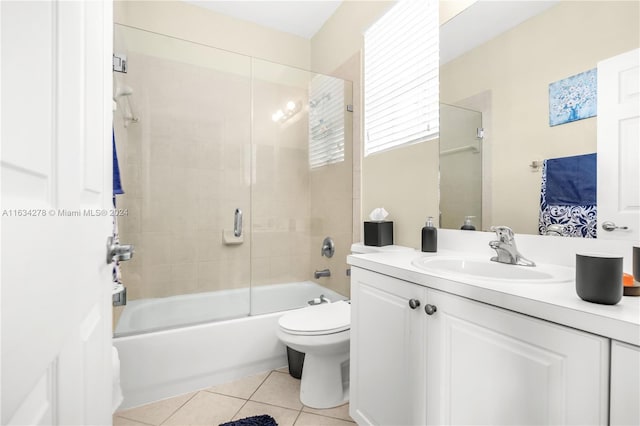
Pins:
x: 467, y: 226
x: 429, y: 237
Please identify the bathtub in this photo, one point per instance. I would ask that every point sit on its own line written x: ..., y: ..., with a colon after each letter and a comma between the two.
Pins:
x: 179, y: 344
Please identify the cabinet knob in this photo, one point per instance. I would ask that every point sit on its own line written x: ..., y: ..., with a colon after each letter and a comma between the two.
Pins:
x: 414, y: 303
x: 430, y: 309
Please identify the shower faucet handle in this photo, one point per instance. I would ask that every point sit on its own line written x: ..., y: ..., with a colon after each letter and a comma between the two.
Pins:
x: 328, y: 247
x: 118, y: 252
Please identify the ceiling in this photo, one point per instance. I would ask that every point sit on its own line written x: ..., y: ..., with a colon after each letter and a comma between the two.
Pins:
x: 479, y: 23
x: 302, y: 17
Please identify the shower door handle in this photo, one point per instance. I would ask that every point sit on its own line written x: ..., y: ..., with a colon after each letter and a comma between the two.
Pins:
x: 237, y: 223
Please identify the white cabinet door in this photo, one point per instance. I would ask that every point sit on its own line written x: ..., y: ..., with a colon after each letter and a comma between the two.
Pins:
x: 619, y: 145
x: 625, y: 384
x: 487, y: 365
x: 387, y: 350
x: 55, y: 166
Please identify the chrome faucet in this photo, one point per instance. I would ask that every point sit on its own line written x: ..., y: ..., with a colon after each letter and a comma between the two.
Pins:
x: 319, y: 300
x: 323, y: 273
x: 506, y: 248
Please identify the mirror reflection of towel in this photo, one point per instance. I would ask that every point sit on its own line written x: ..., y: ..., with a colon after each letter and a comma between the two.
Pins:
x: 568, y: 196
x: 572, y: 181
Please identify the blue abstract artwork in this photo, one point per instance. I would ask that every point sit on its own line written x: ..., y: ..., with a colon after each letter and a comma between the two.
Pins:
x: 573, y: 98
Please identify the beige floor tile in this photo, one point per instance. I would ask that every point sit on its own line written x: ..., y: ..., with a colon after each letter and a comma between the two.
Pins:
x: 242, y: 388
x: 308, y: 419
x: 121, y: 421
x: 282, y: 416
x: 341, y: 412
x: 279, y: 389
x: 156, y: 412
x: 206, y: 408
x: 284, y: 369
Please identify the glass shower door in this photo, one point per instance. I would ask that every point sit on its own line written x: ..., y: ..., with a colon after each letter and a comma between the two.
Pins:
x: 185, y: 166
x: 301, y: 185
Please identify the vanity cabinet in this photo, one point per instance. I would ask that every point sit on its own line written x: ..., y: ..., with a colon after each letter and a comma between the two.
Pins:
x: 423, y: 356
x: 625, y: 384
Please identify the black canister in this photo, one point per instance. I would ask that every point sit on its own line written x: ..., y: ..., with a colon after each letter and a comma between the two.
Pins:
x: 599, y: 278
x: 636, y: 264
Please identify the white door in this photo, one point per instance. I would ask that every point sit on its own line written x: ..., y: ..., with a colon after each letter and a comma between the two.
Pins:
x: 619, y: 146
x: 55, y: 189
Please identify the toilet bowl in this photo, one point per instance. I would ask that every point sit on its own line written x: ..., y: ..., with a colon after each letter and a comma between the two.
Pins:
x: 321, y: 332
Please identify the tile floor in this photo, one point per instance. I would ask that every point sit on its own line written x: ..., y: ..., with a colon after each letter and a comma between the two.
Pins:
x: 275, y: 393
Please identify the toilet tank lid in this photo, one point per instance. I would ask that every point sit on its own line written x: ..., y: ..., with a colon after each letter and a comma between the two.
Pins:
x: 360, y: 248
x: 318, y: 319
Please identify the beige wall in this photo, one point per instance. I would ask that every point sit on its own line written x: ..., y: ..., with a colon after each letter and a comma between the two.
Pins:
x: 183, y: 168
x: 402, y: 192
x: 342, y: 35
x: 516, y: 69
x: 405, y: 182
x: 258, y: 166
x: 194, y: 23
x: 333, y: 198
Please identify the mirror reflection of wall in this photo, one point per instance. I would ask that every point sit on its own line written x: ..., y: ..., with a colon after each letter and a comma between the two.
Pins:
x: 460, y: 166
x: 507, y: 79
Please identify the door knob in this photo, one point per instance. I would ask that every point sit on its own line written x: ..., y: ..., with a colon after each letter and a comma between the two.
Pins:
x: 414, y: 303
x: 430, y: 309
x: 117, y: 251
x: 610, y: 226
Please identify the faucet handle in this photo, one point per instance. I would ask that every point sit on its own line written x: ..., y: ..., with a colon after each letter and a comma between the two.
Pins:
x: 504, y: 233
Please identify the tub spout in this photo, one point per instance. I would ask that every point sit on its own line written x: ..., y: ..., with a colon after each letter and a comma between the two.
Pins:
x: 323, y: 273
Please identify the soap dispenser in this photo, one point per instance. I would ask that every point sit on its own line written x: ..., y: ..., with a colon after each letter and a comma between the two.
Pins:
x: 467, y: 226
x: 429, y: 237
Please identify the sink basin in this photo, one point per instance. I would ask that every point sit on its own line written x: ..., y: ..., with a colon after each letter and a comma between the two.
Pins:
x: 461, y: 268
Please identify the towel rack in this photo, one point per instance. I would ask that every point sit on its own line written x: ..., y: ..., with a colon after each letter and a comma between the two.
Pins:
x: 536, y: 165
x: 472, y: 148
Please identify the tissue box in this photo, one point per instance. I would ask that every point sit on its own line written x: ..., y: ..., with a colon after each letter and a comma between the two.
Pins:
x: 378, y: 233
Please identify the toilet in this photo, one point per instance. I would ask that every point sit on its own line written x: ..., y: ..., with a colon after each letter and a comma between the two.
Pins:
x: 322, y: 333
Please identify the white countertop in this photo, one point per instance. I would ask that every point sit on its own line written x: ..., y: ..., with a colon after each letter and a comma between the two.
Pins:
x: 557, y: 302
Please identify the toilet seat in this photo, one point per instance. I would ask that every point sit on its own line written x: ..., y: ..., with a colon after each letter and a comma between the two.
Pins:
x: 326, y: 318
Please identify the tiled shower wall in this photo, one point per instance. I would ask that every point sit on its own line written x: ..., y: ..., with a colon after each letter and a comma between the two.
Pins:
x: 188, y: 163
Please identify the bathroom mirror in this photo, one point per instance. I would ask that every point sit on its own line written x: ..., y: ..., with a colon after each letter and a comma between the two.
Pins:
x: 498, y: 58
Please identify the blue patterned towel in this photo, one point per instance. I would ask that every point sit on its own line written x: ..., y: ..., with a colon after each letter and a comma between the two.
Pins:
x: 572, y: 181
x: 117, y: 185
x: 576, y: 220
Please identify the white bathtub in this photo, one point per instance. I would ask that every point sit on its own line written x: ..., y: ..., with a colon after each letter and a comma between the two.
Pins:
x: 225, y: 344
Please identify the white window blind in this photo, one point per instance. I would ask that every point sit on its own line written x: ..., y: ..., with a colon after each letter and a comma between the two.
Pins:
x: 401, y: 76
x: 326, y: 120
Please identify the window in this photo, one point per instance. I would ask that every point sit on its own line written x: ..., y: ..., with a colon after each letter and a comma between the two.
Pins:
x: 401, y: 64
x: 326, y: 121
